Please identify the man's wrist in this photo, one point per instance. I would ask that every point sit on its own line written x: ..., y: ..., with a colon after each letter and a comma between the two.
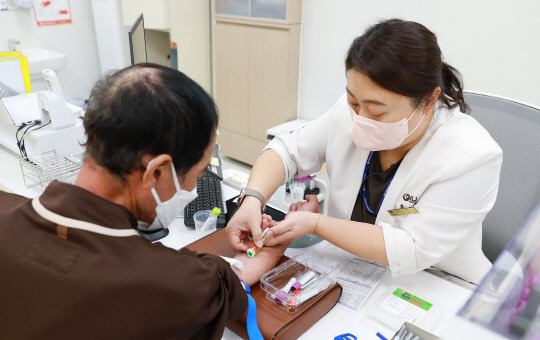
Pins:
x: 254, y: 267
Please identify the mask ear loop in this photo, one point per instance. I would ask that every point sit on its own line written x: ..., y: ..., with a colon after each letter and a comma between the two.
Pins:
x: 175, y: 178
x: 410, y: 133
x: 153, y: 190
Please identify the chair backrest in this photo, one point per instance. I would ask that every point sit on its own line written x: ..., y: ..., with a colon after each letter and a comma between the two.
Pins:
x: 516, y: 128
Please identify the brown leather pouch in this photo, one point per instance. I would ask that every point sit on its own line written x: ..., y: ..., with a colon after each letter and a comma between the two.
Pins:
x: 274, y: 322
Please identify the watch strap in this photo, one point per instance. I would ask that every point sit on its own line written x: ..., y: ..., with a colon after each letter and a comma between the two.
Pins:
x: 254, y: 193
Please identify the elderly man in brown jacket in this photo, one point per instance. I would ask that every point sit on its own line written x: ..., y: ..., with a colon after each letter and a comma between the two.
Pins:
x: 72, y: 263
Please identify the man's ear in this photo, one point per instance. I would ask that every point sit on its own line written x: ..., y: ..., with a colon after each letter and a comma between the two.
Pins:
x: 155, y: 169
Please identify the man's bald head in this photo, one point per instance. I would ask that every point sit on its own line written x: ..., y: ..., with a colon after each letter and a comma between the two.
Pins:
x: 148, y: 109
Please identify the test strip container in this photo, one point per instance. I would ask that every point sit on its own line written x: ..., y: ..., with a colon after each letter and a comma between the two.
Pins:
x: 326, y: 269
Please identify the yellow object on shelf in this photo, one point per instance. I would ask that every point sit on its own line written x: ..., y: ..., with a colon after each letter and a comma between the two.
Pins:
x: 14, y: 72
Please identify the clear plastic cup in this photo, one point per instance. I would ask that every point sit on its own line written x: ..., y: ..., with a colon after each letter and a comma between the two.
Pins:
x: 200, y: 217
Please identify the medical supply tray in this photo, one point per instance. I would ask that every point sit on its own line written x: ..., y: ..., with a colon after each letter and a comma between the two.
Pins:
x: 326, y: 270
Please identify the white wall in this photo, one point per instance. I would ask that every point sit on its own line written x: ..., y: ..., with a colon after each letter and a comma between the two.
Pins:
x: 111, y: 35
x: 494, y: 44
x: 77, y: 40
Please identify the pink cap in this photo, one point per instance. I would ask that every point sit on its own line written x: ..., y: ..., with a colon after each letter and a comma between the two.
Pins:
x: 296, y: 286
x: 280, y: 296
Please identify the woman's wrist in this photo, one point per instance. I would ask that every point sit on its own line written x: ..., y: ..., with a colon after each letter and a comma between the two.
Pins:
x: 252, y: 202
x: 317, y: 220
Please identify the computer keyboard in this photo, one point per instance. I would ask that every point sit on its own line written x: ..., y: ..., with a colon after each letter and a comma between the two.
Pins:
x: 22, y: 108
x: 210, y: 196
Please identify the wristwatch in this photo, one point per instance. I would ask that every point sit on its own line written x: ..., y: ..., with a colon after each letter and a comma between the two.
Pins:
x: 251, y: 192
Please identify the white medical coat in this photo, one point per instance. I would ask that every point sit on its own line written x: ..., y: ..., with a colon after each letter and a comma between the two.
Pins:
x: 450, y: 176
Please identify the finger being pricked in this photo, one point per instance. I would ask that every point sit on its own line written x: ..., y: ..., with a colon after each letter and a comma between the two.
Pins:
x: 266, y: 221
x: 296, y: 206
x: 280, y: 233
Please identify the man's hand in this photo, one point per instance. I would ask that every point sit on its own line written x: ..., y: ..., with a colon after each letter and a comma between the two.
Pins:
x: 312, y: 205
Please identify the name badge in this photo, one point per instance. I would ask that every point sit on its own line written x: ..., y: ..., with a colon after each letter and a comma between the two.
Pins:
x: 403, y: 211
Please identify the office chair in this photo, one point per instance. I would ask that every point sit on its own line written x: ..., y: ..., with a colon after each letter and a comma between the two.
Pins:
x: 516, y: 128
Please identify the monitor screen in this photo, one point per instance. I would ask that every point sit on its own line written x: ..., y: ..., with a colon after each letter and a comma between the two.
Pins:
x: 137, y: 41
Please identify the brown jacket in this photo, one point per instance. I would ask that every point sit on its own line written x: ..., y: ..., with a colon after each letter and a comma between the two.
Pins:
x: 103, y: 287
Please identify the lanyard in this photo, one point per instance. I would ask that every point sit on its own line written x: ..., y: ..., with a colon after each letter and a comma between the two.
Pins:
x: 366, y: 169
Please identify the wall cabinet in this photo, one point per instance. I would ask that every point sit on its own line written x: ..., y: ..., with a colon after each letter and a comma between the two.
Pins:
x: 256, y: 67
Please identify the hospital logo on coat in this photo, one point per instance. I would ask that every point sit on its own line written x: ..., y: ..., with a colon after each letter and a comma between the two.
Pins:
x: 409, y: 198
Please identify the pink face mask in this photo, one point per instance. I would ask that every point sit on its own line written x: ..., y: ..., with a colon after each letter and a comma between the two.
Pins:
x: 371, y: 135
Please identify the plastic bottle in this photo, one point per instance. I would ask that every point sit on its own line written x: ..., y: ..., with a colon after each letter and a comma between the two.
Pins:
x: 211, y: 220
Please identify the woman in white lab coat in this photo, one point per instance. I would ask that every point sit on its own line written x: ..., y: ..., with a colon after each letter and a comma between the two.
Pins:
x: 412, y: 175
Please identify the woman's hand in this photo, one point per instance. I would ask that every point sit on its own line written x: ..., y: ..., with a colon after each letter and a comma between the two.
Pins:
x: 247, y: 219
x: 295, y: 225
x: 312, y: 205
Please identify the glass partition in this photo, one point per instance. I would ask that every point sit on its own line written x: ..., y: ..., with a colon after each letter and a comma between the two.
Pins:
x: 507, y: 299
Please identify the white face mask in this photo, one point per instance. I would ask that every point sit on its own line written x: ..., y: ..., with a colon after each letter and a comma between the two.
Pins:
x: 169, y: 210
x: 372, y: 135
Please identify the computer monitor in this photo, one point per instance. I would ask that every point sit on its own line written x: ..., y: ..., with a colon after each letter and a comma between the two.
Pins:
x: 137, y: 41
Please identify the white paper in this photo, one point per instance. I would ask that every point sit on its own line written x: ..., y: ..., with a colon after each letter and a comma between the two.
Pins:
x: 52, y: 12
x: 359, y: 278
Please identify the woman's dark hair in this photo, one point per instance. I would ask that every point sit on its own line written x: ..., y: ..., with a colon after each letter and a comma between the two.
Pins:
x: 404, y: 57
x: 148, y: 109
